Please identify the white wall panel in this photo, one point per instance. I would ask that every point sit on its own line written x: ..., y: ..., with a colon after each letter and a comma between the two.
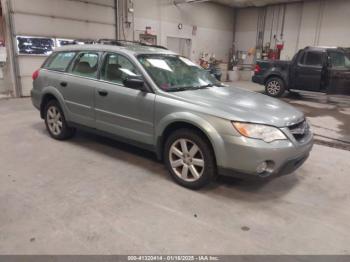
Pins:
x: 214, y: 34
x: 103, y: 2
x: 246, y: 28
x: 335, y: 24
x: 66, y: 9
x: 205, y: 14
x: 207, y: 40
x: 28, y: 64
x: 45, y: 26
x: 26, y: 83
x: 306, y: 24
x: 217, y: 42
x: 291, y: 30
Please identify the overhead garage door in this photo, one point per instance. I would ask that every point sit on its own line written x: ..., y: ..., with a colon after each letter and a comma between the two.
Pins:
x: 67, y: 19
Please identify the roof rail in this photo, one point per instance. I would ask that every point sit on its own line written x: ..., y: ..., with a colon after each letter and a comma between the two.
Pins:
x: 118, y: 42
x: 105, y: 41
x: 84, y: 41
x: 156, y: 46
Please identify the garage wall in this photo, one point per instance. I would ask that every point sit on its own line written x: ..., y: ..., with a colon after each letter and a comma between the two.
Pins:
x: 319, y: 22
x: 246, y: 28
x: 214, y: 25
x: 208, y: 25
x: 88, y: 19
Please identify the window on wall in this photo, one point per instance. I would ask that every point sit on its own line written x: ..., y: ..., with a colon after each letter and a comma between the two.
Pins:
x: 86, y: 64
x: 29, y: 45
x: 60, y: 61
x: 32, y: 45
x: 116, y: 68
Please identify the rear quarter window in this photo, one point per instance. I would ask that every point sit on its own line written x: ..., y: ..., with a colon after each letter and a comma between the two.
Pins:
x: 59, y: 61
x: 339, y: 60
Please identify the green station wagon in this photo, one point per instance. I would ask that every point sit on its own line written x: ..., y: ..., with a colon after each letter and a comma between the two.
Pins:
x: 163, y: 102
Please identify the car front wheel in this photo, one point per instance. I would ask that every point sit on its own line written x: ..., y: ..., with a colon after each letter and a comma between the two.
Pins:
x: 189, y: 159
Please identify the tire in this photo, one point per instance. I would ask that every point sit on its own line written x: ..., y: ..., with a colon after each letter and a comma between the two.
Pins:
x: 56, y: 123
x: 275, y: 87
x: 193, y: 168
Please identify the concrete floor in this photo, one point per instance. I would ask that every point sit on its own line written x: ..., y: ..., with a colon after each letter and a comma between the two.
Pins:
x: 91, y: 195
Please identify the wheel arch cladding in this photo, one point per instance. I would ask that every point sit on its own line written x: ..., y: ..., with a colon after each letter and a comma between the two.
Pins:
x: 48, y: 94
x: 275, y: 76
x: 172, y: 123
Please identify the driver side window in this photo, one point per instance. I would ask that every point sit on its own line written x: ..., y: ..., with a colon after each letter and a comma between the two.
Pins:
x: 312, y: 58
x: 116, y: 68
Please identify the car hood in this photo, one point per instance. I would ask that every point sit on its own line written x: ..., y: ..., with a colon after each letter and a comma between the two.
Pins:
x: 241, y: 105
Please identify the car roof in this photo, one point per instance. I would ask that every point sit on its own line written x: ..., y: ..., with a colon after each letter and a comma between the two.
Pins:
x: 132, y: 49
x: 323, y: 48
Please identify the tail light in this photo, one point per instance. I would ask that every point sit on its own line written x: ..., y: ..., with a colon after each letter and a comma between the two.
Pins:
x: 35, y: 74
x: 257, y: 69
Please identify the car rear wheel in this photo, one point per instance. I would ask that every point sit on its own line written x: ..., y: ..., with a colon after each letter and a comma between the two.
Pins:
x: 274, y: 87
x: 189, y: 159
x: 56, y: 123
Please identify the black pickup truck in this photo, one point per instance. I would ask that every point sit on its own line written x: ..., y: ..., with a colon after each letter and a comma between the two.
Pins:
x: 318, y: 69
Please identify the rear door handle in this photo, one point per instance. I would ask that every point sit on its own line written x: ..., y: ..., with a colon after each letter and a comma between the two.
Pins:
x: 64, y: 84
x: 102, y: 92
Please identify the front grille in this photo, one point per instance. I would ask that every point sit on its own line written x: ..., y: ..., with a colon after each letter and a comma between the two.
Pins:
x: 299, y: 130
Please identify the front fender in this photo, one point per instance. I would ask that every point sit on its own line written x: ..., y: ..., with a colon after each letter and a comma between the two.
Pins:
x: 205, y: 124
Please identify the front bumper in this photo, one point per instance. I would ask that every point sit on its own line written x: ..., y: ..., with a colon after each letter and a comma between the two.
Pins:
x: 243, y: 156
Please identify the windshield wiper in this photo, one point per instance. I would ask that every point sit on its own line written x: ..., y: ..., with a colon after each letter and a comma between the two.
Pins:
x: 175, y: 89
x: 185, y: 88
x: 204, y: 86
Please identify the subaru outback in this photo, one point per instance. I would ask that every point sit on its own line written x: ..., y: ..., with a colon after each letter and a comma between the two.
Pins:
x: 153, y: 98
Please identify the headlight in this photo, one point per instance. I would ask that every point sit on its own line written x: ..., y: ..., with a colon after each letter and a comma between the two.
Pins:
x: 258, y: 131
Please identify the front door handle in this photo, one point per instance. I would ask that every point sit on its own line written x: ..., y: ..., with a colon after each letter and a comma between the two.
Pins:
x: 102, y: 92
x: 64, y: 84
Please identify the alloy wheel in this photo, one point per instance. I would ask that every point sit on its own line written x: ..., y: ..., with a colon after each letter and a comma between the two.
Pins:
x: 273, y: 87
x: 186, y: 160
x: 54, y: 120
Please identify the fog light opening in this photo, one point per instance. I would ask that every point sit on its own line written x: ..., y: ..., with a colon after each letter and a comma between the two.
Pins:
x: 261, y: 168
x: 265, y: 168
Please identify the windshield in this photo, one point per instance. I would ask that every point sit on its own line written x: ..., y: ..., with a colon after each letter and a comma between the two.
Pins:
x: 175, y: 73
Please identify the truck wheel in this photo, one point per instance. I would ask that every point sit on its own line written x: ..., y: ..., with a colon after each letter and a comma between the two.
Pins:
x: 274, y: 87
x: 189, y: 158
x: 56, y: 123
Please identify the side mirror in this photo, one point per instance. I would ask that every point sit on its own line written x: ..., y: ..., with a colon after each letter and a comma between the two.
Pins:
x: 135, y: 83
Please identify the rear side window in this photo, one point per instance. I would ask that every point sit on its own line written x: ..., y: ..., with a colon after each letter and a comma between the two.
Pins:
x: 339, y: 60
x: 313, y: 59
x: 86, y: 64
x: 60, y: 61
